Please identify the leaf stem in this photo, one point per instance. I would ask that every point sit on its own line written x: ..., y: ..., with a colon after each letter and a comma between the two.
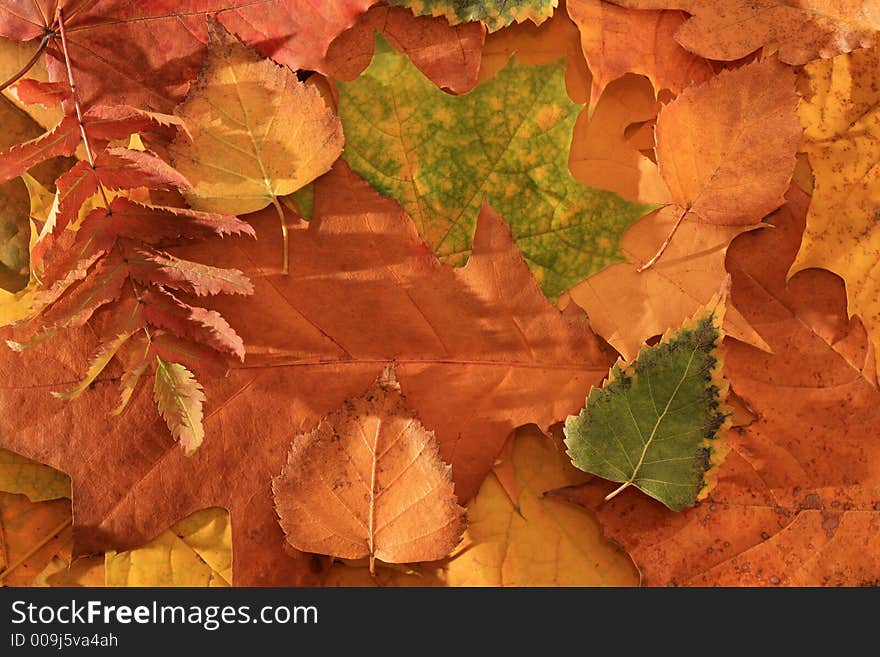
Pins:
x: 618, y: 490
x: 285, y: 243
x: 79, y: 115
x: 30, y: 64
x: 665, y: 244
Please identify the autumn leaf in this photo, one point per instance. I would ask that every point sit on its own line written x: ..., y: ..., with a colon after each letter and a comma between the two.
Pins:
x: 254, y: 133
x: 603, y: 156
x: 22, y: 476
x: 617, y: 41
x: 731, y: 29
x: 552, y: 40
x: 145, y: 54
x: 31, y: 535
x: 795, y: 503
x: 197, y: 551
x: 447, y: 55
x: 484, y: 334
x: 391, y: 496
x: 506, y: 541
x: 627, y: 307
x: 494, y: 14
x: 658, y: 422
x: 403, y: 135
x: 842, y: 122
x: 737, y: 131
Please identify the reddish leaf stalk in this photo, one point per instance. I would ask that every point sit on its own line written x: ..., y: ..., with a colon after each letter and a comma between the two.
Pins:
x: 85, y: 139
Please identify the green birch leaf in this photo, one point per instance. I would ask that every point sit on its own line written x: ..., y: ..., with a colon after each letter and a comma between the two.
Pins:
x: 495, y: 14
x: 507, y: 141
x: 658, y: 422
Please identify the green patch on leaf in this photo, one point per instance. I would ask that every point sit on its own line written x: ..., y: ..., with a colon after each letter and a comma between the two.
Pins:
x: 657, y: 423
x: 506, y: 141
x: 494, y: 13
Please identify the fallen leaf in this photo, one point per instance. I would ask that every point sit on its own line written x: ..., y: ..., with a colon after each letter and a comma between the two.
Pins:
x: 247, y: 122
x: 617, y: 41
x: 36, y: 481
x: 658, y: 422
x: 800, y: 31
x: 552, y: 40
x: 602, y: 156
x: 31, y: 535
x: 737, y: 131
x: 507, y: 542
x: 494, y: 14
x: 391, y: 495
x: 441, y: 155
x: 197, y: 551
x: 363, y: 291
x: 627, y: 307
x: 447, y: 55
x: 295, y: 33
x: 841, y: 117
x: 796, y: 499
x: 14, y: 55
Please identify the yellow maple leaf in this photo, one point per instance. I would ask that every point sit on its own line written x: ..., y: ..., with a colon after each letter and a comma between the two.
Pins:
x: 840, y: 113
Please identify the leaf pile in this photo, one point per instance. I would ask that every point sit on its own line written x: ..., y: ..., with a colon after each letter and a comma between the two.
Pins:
x: 433, y: 293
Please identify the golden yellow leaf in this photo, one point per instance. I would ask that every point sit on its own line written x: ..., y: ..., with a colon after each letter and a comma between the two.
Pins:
x: 254, y: 132
x: 841, y: 118
x: 197, y: 551
x: 537, y: 541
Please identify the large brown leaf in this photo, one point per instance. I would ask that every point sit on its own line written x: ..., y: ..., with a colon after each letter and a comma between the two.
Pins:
x: 478, y: 352
x: 797, y: 497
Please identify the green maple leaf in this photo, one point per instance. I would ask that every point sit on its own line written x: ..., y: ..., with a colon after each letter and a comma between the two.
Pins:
x: 507, y: 141
x: 494, y: 13
x: 657, y: 422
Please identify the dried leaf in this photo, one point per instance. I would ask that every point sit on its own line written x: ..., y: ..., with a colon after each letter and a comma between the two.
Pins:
x: 617, y: 41
x: 484, y: 334
x: 796, y: 499
x: 841, y: 117
x: 254, y: 131
x: 738, y: 131
x: 506, y: 543
x: 390, y: 496
x: 800, y: 31
x: 447, y: 55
